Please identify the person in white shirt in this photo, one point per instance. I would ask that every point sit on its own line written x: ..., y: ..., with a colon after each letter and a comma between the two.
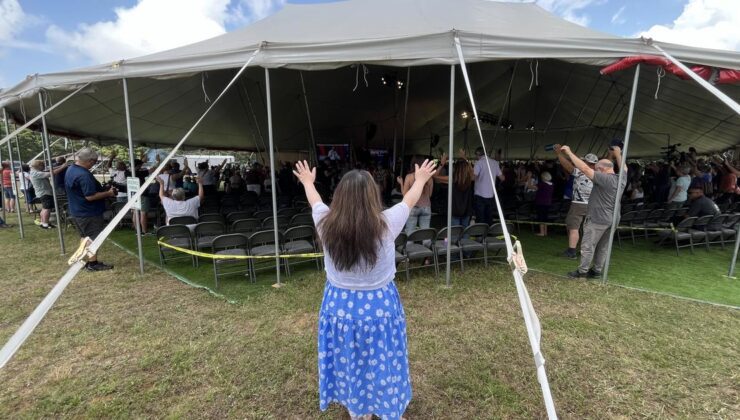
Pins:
x: 360, y: 293
x: 483, y: 189
x: 178, y: 205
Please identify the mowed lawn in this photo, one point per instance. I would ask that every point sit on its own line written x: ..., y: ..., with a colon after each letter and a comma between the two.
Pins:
x: 118, y: 344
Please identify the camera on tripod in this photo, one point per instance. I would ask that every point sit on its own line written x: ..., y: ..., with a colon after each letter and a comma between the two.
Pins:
x: 671, y: 154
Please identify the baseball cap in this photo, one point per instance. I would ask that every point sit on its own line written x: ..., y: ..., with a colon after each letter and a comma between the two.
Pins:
x: 591, y: 158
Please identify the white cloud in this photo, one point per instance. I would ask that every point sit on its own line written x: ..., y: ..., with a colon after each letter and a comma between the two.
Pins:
x: 617, y: 19
x: 703, y: 23
x: 11, y: 19
x: 155, y: 25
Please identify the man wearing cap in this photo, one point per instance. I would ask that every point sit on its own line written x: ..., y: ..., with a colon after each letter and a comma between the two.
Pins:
x: 601, y: 205
x: 582, y: 186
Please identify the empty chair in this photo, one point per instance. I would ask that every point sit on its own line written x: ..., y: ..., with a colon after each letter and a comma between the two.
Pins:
x: 729, y: 227
x: 444, y: 241
x: 627, y: 221
x: 473, y: 240
x: 211, y: 217
x: 205, y: 232
x: 246, y: 226
x: 299, y: 240
x: 714, y: 230
x: 680, y: 234
x: 401, y: 257
x: 183, y: 220
x: 288, y: 212
x: 698, y: 230
x: 234, y: 244
x: 282, y: 222
x: 176, y: 235
x: 416, y: 250
x: 301, y: 219
x: 495, y: 240
x: 237, y: 215
x: 262, y: 243
x: 262, y: 214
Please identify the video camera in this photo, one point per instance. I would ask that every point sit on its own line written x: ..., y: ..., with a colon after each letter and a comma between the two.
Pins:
x: 671, y: 154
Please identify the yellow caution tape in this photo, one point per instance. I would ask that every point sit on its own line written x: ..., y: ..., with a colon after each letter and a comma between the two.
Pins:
x: 235, y: 257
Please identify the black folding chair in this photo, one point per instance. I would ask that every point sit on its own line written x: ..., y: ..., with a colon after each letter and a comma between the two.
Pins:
x: 473, y: 240
x: 494, y: 240
x: 681, y: 233
x: 246, y: 226
x: 233, y: 244
x: 176, y: 235
x: 211, y: 217
x: 183, y: 220
x: 416, y: 250
x: 444, y: 241
x: 301, y: 219
x: 401, y: 257
x: 205, y: 233
x: 262, y: 243
x: 300, y: 240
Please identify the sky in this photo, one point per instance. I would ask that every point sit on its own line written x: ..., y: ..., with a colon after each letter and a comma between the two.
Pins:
x: 44, y: 36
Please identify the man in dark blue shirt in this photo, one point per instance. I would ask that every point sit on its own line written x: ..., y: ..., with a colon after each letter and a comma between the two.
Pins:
x: 86, y: 200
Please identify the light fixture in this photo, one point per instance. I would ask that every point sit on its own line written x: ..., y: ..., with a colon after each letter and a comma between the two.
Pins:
x: 464, y: 115
x: 530, y: 127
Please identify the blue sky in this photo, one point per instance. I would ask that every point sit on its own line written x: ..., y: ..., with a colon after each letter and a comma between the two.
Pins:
x: 43, y: 36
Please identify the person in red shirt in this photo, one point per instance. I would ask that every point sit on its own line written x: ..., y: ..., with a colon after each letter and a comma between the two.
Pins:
x: 7, y: 176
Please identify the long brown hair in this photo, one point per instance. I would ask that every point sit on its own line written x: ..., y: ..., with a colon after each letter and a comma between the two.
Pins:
x: 352, y: 231
x: 463, y: 174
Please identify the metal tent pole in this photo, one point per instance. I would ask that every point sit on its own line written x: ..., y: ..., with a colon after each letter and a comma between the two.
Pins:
x: 43, y: 151
x: 137, y: 213
x: 731, y: 273
x: 450, y: 171
x: 45, y: 137
x: 622, y: 166
x: 15, y: 182
x: 272, y: 178
x: 23, y: 174
x: 2, y: 199
x: 403, y: 130
x: 312, y: 153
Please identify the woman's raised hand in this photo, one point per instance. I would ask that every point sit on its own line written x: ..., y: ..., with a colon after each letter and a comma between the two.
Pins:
x: 424, y: 172
x: 304, y: 172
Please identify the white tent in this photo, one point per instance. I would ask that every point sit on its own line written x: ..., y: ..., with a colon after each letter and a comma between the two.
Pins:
x: 570, y: 103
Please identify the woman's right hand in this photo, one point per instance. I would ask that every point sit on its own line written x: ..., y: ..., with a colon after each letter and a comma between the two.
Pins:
x: 304, y: 172
x: 425, y: 172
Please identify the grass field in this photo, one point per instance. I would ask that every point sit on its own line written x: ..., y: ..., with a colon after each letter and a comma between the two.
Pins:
x: 118, y: 344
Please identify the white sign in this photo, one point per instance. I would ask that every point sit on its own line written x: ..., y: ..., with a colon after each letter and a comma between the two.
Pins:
x: 132, y: 187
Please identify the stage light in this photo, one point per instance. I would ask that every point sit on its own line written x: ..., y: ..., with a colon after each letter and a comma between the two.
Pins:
x: 530, y: 127
x: 464, y: 115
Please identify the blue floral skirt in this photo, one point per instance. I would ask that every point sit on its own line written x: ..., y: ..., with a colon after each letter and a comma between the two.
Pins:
x: 363, y: 359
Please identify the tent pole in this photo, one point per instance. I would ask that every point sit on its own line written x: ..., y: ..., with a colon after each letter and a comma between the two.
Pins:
x: 45, y: 138
x: 2, y: 199
x: 132, y: 165
x: 623, y: 165
x: 15, y: 183
x: 38, y: 117
x: 312, y: 154
x: 272, y: 177
x: 731, y: 273
x: 403, y: 130
x: 23, y: 174
x: 450, y: 171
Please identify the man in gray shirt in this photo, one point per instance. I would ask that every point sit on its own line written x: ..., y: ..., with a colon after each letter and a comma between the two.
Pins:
x: 600, y: 210
x: 40, y: 179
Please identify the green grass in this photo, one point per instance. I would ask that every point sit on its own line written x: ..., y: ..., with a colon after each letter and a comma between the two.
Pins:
x: 118, y: 344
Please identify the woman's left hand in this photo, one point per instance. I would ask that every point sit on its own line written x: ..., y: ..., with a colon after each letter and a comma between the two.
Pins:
x: 425, y: 172
x: 304, y: 172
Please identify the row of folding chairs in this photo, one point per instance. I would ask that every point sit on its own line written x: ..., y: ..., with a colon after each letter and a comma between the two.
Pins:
x: 295, y: 240
x: 463, y: 242
x: 704, y: 230
x: 244, y: 223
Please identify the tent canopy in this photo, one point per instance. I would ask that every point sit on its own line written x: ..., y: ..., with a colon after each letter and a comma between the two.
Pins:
x: 344, y: 44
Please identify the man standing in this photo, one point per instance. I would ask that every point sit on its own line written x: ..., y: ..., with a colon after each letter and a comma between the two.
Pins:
x: 86, y: 199
x: 40, y: 180
x: 601, y: 206
x: 483, y: 189
x: 582, y: 186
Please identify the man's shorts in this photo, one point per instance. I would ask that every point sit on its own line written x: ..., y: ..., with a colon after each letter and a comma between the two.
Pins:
x: 8, y: 192
x: 576, y: 214
x: 145, y: 203
x: 89, y: 226
x: 47, y: 202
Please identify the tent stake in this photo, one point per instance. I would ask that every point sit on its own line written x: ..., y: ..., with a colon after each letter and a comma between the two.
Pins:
x: 450, y: 171
x: 15, y: 183
x: 137, y: 213
x: 45, y: 138
x: 273, y: 187
x: 622, y: 167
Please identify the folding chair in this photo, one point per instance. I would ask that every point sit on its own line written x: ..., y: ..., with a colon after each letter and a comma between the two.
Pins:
x: 246, y: 226
x: 443, y: 241
x: 183, y: 220
x: 282, y: 222
x: 231, y: 244
x: 493, y: 240
x: 473, y: 240
x: 205, y: 233
x: 262, y: 243
x: 211, y: 217
x: 401, y: 257
x: 729, y: 227
x: 300, y: 240
x: 237, y: 215
x: 301, y: 219
x: 680, y: 234
x: 176, y: 235
x: 416, y: 250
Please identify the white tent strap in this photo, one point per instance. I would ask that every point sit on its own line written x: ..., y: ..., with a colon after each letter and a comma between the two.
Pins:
x: 661, y: 74
x: 38, y: 117
x: 463, y: 67
x: 530, y: 316
x: 38, y: 314
x: 706, y: 85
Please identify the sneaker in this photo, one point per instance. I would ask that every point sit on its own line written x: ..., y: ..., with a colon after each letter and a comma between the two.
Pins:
x: 577, y: 275
x: 37, y: 222
x: 570, y: 254
x: 592, y: 274
x: 46, y: 227
x: 97, y: 266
